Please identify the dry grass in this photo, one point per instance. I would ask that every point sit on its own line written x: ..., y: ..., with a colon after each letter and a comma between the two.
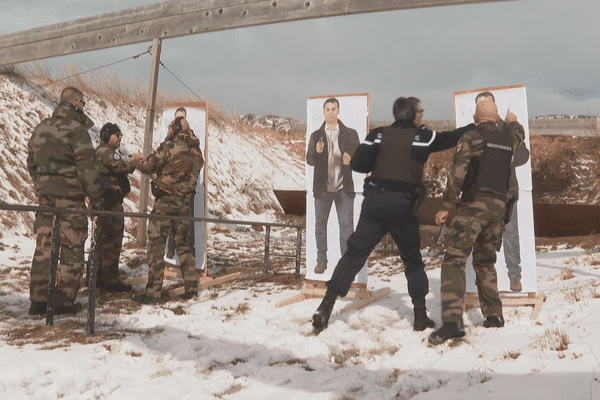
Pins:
x: 553, y: 339
x: 111, y: 87
x: 511, y: 354
x: 566, y: 274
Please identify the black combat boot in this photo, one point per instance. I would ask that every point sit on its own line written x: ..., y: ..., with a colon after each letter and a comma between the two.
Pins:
x: 142, y: 298
x: 189, y: 295
x: 116, y: 287
x: 71, y: 309
x: 321, y: 316
x: 422, y: 321
x: 449, y: 330
x: 38, y: 308
x: 496, y: 321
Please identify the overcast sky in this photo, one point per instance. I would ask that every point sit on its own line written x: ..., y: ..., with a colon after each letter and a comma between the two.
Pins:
x: 549, y: 46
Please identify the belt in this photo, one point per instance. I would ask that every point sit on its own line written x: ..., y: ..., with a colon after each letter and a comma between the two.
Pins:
x: 374, y: 187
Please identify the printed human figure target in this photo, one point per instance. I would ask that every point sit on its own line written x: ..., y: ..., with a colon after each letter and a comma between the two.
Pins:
x: 197, y: 117
x: 515, y: 99
x: 334, y: 192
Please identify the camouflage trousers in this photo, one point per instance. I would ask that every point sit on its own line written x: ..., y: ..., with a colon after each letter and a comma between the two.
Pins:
x: 110, y: 240
x: 73, y: 233
x: 158, y: 230
x: 477, y: 227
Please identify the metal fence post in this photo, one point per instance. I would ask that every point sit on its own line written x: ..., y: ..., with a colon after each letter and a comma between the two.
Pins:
x: 298, y: 251
x: 267, y: 240
x: 54, y: 253
x: 92, y: 273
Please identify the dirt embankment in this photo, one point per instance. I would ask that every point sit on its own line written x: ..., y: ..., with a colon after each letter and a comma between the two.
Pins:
x: 564, y: 169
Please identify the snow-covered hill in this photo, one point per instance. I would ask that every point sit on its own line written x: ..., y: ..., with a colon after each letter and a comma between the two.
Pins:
x: 243, y: 165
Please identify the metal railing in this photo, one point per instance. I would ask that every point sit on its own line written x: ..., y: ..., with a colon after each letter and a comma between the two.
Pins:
x: 92, y: 262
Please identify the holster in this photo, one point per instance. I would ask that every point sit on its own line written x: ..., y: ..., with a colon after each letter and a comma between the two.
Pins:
x: 156, y: 191
x: 110, y: 199
x: 418, y: 200
x: 509, y: 207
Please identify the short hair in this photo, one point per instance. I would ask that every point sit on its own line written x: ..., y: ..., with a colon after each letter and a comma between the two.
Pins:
x: 182, y: 109
x: 70, y: 94
x: 484, y: 94
x: 332, y: 100
x: 405, y: 108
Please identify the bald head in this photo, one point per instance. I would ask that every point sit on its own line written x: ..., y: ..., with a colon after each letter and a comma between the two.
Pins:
x: 486, y: 111
x: 184, y: 124
x: 71, y: 95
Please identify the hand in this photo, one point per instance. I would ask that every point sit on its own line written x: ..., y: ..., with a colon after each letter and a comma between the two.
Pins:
x: 346, y: 159
x: 137, y: 157
x: 441, y: 217
x: 320, y: 146
x: 510, y: 117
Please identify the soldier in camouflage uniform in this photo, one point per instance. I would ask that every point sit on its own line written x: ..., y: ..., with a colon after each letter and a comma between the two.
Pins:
x: 481, y: 170
x: 177, y: 163
x: 63, y: 167
x: 115, y: 184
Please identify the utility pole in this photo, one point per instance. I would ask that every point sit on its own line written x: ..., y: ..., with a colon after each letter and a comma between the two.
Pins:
x: 150, y: 114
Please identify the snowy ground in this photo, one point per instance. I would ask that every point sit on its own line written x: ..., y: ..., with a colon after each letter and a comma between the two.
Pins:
x: 233, y: 343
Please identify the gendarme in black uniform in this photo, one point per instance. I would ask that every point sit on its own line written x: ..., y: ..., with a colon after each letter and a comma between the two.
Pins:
x: 396, y: 156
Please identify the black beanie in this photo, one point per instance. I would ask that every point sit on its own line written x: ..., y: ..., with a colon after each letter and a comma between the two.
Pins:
x: 107, y: 130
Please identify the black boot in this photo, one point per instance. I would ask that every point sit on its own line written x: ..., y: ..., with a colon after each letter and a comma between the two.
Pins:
x: 422, y: 321
x: 449, y: 330
x: 189, y: 295
x: 142, y: 298
x: 38, y: 308
x: 496, y: 321
x: 116, y: 287
x: 321, y: 316
x: 71, y: 309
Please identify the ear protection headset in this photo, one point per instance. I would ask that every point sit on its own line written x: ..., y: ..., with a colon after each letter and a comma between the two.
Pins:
x: 107, y: 130
x: 177, y: 125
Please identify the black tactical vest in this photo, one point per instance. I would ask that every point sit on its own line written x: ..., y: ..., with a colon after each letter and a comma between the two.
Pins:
x: 489, y: 173
x: 394, y: 161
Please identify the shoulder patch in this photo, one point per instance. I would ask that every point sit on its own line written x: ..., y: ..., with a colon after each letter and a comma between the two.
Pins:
x: 116, y: 157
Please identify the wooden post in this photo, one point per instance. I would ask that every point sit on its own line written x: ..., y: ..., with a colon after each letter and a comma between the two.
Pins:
x: 150, y: 113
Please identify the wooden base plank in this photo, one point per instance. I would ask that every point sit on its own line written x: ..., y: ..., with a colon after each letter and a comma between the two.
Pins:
x: 317, y: 289
x: 521, y: 299
x: 137, y: 280
x: 374, y: 296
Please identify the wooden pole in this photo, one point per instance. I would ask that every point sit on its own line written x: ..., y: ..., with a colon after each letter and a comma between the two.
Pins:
x: 150, y: 113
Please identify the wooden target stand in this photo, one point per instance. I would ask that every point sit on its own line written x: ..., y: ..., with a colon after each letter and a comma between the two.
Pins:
x: 514, y: 300
x: 173, y: 271
x: 316, y: 289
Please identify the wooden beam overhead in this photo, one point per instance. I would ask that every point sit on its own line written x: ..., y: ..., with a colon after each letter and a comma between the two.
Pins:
x: 176, y: 18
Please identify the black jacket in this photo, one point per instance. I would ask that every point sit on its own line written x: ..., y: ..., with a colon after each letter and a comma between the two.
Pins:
x: 348, y: 142
x: 424, y: 143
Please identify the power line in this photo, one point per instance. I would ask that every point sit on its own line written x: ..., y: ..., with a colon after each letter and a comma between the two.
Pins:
x: 180, y: 81
x: 149, y: 51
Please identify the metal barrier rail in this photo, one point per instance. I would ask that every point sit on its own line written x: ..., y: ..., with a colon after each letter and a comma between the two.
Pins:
x: 93, y: 255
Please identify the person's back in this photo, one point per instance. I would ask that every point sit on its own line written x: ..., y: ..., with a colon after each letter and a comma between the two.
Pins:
x: 62, y: 163
x: 61, y: 157
x: 177, y: 163
x: 180, y: 174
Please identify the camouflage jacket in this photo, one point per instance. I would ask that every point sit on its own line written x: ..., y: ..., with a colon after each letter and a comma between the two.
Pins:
x: 114, y: 170
x: 177, y: 163
x: 469, y: 147
x: 61, y: 158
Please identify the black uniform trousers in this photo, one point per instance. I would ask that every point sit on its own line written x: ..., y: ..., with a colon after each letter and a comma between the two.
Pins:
x: 384, y: 211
